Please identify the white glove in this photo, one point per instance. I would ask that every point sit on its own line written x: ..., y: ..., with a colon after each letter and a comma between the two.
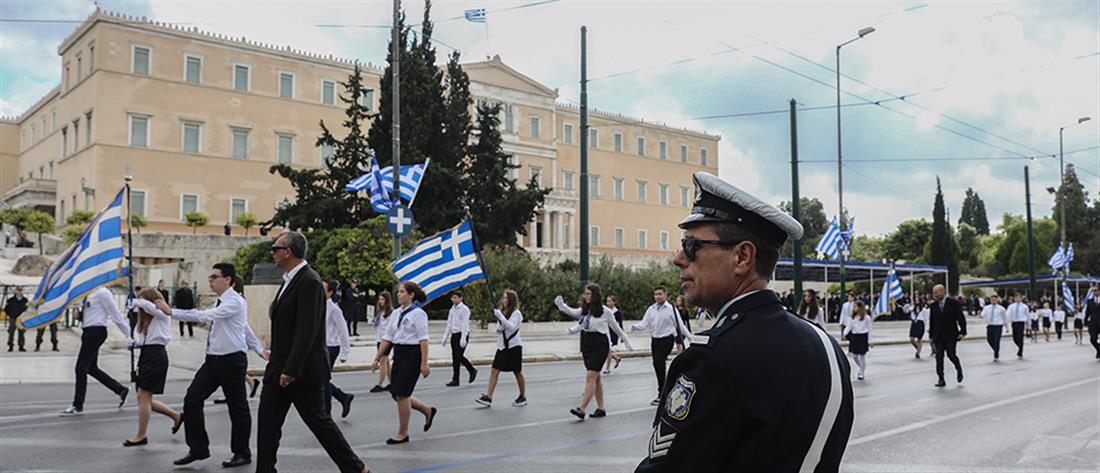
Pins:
x: 558, y: 301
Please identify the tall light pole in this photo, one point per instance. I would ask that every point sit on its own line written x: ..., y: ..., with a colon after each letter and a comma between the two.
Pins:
x: 1062, y: 189
x: 839, y: 160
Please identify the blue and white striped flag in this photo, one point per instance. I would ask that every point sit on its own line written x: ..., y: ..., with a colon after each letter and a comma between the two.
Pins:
x: 1060, y: 259
x: 95, y: 259
x: 830, y: 242
x: 443, y: 262
x: 1068, y: 300
x: 891, y: 291
x: 1069, y: 255
x: 476, y: 15
x: 380, y: 196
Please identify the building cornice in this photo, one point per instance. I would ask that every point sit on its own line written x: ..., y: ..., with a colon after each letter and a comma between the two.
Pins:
x: 634, y: 121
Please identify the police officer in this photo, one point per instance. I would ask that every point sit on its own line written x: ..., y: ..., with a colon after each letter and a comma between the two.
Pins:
x: 762, y: 390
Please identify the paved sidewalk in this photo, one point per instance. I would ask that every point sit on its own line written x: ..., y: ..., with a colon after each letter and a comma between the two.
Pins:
x: 542, y: 341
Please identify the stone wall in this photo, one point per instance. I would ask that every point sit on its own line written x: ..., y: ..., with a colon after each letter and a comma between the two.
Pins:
x: 550, y: 257
x: 183, y: 257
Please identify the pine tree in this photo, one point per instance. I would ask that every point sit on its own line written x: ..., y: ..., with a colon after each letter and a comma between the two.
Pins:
x: 941, y: 246
x: 499, y: 208
x: 973, y: 212
x: 1073, y: 194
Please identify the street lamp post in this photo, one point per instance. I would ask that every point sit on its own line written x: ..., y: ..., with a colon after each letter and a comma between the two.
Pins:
x: 1062, y: 193
x: 839, y: 161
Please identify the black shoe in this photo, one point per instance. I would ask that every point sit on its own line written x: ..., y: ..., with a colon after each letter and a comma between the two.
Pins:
x: 959, y: 377
x: 22, y: 349
x: 346, y: 405
x: 473, y: 376
x: 428, y: 424
x: 191, y: 457
x: 598, y: 413
x: 484, y: 400
x: 55, y: 349
x: 386, y: 388
x: 128, y: 443
x: 177, y: 425
x: 237, y: 460
x: 577, y: 412
x: 255, y: 386
x: 37, y: 348
x: 520, y: 401
x: 391, y: 441
x: 452, y: 384
x: 377, y: 389
x: 617, y: 361
x: 941, y: 383
x: 122, y: 396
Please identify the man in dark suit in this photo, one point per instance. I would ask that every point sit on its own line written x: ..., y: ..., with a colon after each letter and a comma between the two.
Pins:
x: 1092, y: 319
x: 947, y: 326
x: 298, y: 368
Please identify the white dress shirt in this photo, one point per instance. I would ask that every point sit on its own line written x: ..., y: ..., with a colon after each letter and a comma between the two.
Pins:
x: 1043, y: 313
x: 661, y: 321
x: 845, y: 313
x: 458, y: 321
x: 98, y: 306
x: 229, y: 330
x: 994, y: 314
x: 382, y: 325
x: 859, y: 327
x: 159, y: 331
x: 1059, y: 315
x: 924, y: 314
x: 603, y: 324
x: 289, y: 276
x: 1019, y: 312
x: 336, y: 329
x: 506, y: 327
x: 408, y: 330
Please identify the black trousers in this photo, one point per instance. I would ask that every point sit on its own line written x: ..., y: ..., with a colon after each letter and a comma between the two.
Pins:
x: 1058, y: 329
x: 12, y: 328
x: 458, y: 356
x: 946, y: 347
x: 227, y: 372
x: 1018, y: 336
x: 661, y: 347
x: 353, y: 327
x: 308, y: 399
x: 42, y: 333
x: 90, y: 341
x: 993, y: 336
x: 331, y: 391
x: 190, y: 328
x: 1094, y: 335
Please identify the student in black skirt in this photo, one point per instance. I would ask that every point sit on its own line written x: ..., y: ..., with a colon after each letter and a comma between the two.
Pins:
x: 382, y: 310
x: 408, y: 336
x: 596, y: 321
x: 1079, y: 325
x: 918, y: 321
x: 509, y: 356
x: 858, y: 333
x: 154, y: 331
x: 612, y: 303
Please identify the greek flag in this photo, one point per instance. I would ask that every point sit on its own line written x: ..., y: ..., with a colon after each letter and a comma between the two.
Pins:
x: 891, y: 291
x: 830, y: 242
x: 1067, y: 298
x: 1060, y: 259
x: 95, y: 259
x: 476, y: 15
x: 380, y: 196
x: 443, y: 262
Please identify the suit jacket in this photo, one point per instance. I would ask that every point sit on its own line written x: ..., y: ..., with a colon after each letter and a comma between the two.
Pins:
x: 948, y: 323
x: 1092, y: 314
x: 298, y: 331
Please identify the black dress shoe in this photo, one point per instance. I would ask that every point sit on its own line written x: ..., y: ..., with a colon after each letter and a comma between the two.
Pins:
x: 377, y: 389
x: 473, y: 376
x: 346, y: 405
x: 191, y: 457
x: 128, y: 443
x: 391, y: 441
x: 598, y: 413
x: 959, y: 378
x: 237, y: 460
x: 941, y: 383
x: 122, y: 396
x: 452, y: 384
x: 255, y: 385
x: 177, y: 425
x: 577, y: 412
x: 428, y: 424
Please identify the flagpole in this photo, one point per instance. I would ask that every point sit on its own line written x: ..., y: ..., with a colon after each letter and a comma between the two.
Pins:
x: 130, y: 262
x: 481, y: 261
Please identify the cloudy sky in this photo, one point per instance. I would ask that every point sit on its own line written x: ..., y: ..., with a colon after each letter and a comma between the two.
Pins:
x: 986, y: 85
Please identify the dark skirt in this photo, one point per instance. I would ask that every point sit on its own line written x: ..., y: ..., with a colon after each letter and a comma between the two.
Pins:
x: 1046, y: 322
x: 594, y: 349
x: 1035, y: 325
x: 857, y: 343
x: 916, y: 329
x: 1078, y: 322
x: 152, y: 368
x: 406, y: 370
x: 510, y: 360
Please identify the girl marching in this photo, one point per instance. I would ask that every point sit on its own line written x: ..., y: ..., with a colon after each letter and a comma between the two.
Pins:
x: 858, y: 333
x: 408, y: 337
x: 596, y: 322
x: 509, y: 355
x: 382, y: 310
x: 154, y: 331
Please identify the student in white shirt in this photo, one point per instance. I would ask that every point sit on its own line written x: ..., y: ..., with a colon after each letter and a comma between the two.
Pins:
x: 408, y: 336
x: 596, y: 322
x: 1044, y: 316
x: 153, y: 331
x: 1018, y: 314
x: 995, y: 319
x: 846, y: 312
x: 382, y: 310
x: 858, y: 333
x: 1059, y: 318
x: 666, y: 329
x: 98, y: 307
x: 338, y: 343
x: 458, y: 335
x: 810, y: 310
x: 918, y: 323
x: 612, y: 303
x: 509, y: 355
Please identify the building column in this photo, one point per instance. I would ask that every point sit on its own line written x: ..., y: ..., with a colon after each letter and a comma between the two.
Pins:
x: 572, y: 230
x: 560, y: 227
x: 547, y: 231
x: 533, y: 233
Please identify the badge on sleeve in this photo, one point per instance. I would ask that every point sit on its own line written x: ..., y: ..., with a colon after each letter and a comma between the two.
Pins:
x: 678, y: 402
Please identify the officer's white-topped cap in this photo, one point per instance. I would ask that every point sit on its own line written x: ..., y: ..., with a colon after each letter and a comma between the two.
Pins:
x: 719, y: 201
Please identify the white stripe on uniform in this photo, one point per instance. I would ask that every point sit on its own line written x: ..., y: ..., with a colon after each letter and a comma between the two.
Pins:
x: 832, y: 405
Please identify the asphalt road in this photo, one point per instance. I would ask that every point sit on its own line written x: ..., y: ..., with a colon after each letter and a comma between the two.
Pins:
x: 1037, y: 414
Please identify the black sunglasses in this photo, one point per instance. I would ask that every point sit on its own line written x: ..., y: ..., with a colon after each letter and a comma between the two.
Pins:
x: 693, y: 245
x: 275, y: 248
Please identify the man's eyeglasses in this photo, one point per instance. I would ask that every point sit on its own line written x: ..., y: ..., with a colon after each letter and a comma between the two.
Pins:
x: 275, y: 248
x: 215, y: 276
x: 693, y: 245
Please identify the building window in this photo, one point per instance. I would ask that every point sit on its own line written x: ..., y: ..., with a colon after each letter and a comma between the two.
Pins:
x: 91, y: 59
x: 683, y: 153
x: 192, y: 137
x: 139, y: 131
x: 641, y: 146
x: 76, y: 135
x: 567, y: 133
x: 683, y: 196
x: 535, y: 132
x: 79, y: 68
x: 513, y: 167
x: 286, y: 85
x: 192, y: 69
x: 567, y: 181
x: 34, y: 134
x: 51, y: 169
x: 593, y: 138
x: 64, y: 141
x: 663, y: 150
x: 366, y: 99
x: 643, y: 236
x: 66, y: 77
x: 327, y: 152
x: 594, y: 236
x: 188, y: 203
x: 236, y: 207
x: 618, y: 238
x: 618, y: 142
x: 137, y: 203
x: 286, y: 149
x: 618, y: 188
x: 509, y: 118
x: 61, y: 205
x: 664, y: 194
x: 242, y: 77
x: 702, y: 157
x: 88, y: 129
x: 53, y: 122
x: 240, y: 143
x: 536, y: 175
x: 664, y: 240
x: 140, y: 60
x: 641, y: 191
x: 328, y: 92
x: 594, y: 185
